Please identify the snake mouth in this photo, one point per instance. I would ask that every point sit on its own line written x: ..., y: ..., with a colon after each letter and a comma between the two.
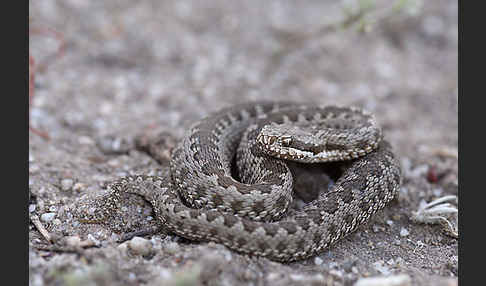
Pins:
x: 288, y: 148
x: 285, y: 147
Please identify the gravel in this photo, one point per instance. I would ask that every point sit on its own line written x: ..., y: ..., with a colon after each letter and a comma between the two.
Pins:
x: 132, y: 68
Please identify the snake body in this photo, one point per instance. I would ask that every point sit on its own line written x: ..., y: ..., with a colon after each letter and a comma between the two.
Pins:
x: 202, y: 199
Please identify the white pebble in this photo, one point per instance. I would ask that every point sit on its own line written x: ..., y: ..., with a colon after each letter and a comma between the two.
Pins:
x: 78, y: 187
x: 140, y: 246
x: 404, y: 232
x: 47, y: 217
x: 171, y: 247
x: 85, y: 140
x: 73, y: 241
x: 318, y: 261
x: 31, y: 208
x: 380, y: 267
x: 93, y: 239
x: 67, y: 184
x: 394, y: 280
x: 123, y: 247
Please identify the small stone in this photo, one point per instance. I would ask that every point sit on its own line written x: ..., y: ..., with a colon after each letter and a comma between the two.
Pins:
x: 110, y: 144
x: 140, y: 246
x: 78, y: 187
x: 67, y: 184
x: 399, y: 261
x: 85, y: 140
x: 336, y: 273
x: 33, y: 168
x: 404, y: 232
x: 132, y: 276
x: 47, y: 217
x: 389, y: 222
x: 273, y: 276
x: 318, y: 261
x: 437, y: 192
x: 172, y: 247
x: 123, y: 247
x: 393, y: 280
x: 73, y: 241
x: 31, y: 208
x: 380, y: 267
x: 93, y: 239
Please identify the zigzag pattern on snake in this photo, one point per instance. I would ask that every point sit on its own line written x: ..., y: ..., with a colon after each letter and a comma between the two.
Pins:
x: 201, y: 199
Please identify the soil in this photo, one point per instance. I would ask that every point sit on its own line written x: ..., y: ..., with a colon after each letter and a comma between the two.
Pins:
x: 129, y: 69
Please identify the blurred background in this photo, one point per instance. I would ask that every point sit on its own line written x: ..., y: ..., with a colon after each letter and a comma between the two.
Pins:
x: 126, y: 64
x: 117, y: 68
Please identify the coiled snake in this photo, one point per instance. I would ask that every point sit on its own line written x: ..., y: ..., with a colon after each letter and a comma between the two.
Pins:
x: 202, y: 200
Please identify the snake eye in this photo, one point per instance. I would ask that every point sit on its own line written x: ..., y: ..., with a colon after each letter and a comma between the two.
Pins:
x: 285, y: 141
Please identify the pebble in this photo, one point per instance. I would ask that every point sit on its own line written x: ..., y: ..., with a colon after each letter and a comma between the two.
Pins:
x: 31, y: 208
x: 318, y: 261
x: 437, y: 192
x: 132, y: 276
x: 380, y: 267
x: 85, y: 140
x: 67, y: 184
x: 171, y: 247
x: 73, y: 241
x: 114, y: 145
x: 404, y: 232
x: 123, y: 247
x: 393, y: 280
x: 33, y: 168
x: 78, y: 187
x: 140, y: 246
x: 336, y: 273
x: 93, y: 239
x: 47, y: 217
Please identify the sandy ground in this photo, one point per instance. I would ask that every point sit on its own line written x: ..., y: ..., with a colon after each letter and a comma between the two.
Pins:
x: 136, y: 67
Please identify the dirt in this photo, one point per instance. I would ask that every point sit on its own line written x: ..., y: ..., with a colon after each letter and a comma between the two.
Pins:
x: 129, y: 68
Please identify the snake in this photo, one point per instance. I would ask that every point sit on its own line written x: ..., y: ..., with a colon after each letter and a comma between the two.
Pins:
x: 229, y: 179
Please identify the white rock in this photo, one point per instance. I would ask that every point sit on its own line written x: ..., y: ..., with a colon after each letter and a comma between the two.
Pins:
x: 73, y: 241
x: 140, y: 246
x: 172, y: 247
x: 67, y: 184
x: 394, y: 280
x: 318, y: 261
x: 404, y: 232
x: 47, y: 217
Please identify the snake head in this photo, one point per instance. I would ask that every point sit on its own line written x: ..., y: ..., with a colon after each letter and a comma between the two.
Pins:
x: 315, y: 143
